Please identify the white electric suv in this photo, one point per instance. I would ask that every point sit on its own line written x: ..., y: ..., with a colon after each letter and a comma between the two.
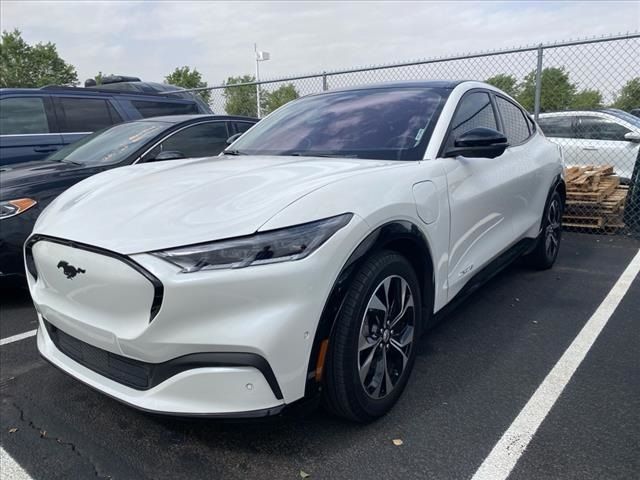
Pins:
x: 304, y: 262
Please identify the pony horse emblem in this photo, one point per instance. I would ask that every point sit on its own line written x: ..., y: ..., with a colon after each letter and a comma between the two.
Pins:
x: 69, y: 270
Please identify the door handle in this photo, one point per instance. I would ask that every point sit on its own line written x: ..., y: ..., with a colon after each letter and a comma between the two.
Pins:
x: 590, y: 148
x: 45, y: 149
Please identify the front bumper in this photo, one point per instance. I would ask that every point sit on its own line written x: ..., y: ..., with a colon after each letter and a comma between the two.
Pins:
x: 269, y: 311
x: 239, y: 391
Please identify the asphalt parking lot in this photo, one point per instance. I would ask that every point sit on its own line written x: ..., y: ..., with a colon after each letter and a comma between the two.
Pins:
x: 474, y: 373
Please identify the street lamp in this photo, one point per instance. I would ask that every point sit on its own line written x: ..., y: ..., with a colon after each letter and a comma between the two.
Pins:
x: 260, y: 57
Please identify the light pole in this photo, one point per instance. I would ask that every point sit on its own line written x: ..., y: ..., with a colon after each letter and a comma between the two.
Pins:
x: 260, y: 57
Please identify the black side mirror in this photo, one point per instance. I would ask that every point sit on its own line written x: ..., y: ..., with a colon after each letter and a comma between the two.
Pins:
x: 233, y: 138
x: 478, y: 142
x: 167, y: 155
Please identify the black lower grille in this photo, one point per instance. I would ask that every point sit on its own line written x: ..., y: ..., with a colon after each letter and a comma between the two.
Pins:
x: 143, y: 375
x: 129, y: 372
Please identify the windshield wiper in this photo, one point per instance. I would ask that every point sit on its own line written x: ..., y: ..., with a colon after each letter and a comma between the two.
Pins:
x: 64, y: 160
x: 233, y: 152
x: 326, y: 155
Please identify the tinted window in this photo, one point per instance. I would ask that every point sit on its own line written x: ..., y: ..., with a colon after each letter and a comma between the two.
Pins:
x: 629, y: 117
x: 24, y: 115
x: 242, y: 127
x: 474, y: 111
x: 516, y: 126
x: 110, y: 146
x: 204, y: 140
x: 384, y: 123
x: 156, y: 109
x: 559, y: 127
x: 596, y: 128
x: 87, y: 114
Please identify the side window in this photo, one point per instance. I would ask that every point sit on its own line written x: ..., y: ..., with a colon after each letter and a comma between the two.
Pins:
x: 203, y: 140
x: 515, y: 125
x: 558, y: 127
x: 597, y: 128
x: 242, y: 127
x: 23, y: 115
x: 87, y: 114
x: 157, y: 109
x: 474, y: 111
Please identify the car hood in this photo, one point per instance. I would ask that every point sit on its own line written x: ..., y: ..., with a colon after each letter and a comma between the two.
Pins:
x: 170, y: 204
x: 25, y: 179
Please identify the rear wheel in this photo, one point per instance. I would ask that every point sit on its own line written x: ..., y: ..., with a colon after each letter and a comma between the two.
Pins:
x: 372, y: 347
x: 544, y: 254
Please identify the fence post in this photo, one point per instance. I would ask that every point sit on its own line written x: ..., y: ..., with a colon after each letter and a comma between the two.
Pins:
x: 536, y: 107
x: 325, y: 87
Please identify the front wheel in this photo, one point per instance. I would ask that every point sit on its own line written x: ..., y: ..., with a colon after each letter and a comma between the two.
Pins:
x: 544, y: 254
x: 372, y: 347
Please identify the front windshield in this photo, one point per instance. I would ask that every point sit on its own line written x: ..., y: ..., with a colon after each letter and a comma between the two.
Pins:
x: 392, y: 123
x: 109, y: 146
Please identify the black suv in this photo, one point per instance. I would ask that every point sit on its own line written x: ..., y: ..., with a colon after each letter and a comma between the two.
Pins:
x: 35, y: 122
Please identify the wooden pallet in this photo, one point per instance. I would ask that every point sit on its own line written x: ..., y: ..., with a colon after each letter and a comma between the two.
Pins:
x: 605, y: 186
x: 583, y: 222
x: 595, y: 198
x: 610, y: 204
x: 586, y: 179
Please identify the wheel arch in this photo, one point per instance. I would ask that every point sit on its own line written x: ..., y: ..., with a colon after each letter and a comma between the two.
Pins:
x: 400, y: 236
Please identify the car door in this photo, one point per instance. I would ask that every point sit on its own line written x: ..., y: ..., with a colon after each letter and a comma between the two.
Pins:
x: 206, y: 139
x: 28, y: 129
x: 526, y: 165
x: 80, y: 116
x: 481, y: 192
x: 604, y: 143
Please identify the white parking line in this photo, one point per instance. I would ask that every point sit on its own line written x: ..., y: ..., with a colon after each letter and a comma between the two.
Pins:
x: 505, y: 455
x: 20, y: 336
x: 10, y: 469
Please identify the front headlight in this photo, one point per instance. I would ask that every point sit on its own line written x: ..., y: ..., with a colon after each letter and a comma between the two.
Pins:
x: 285, y: 244
x: 11, y: 208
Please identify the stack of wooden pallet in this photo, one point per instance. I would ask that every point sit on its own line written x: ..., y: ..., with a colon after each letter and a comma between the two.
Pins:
x: 595, y: 198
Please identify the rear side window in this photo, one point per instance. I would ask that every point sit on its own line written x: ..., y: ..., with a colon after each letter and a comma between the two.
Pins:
x: 597, y: 128
x: 23, y: 115
x: 157, y: 109
x: 203, y: 140
x: 558, y: 127
x: 516, y: 126
x: 474, y: 111
x: 87, y: 114
x: 242, y: 127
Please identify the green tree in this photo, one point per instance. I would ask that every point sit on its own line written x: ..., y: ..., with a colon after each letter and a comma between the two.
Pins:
x: 587, y: 100
x: 506, y: 83
x: 556, y: 90
x: 242, y: 100
x: 31, y: 66
x: 629, y: 96
x: 280, y: 96
x: 186, y: 78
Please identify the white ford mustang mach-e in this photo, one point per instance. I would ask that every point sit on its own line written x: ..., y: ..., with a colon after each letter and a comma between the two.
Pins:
x: 304, y: 262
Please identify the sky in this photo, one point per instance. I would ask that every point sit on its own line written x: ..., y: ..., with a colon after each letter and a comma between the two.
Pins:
x: 150, y: 38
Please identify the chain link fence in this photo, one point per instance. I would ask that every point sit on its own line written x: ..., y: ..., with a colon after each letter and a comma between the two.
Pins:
x: 583, y: 94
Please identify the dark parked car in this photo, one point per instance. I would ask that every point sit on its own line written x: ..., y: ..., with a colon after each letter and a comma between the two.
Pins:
x: 29, y: 187
x: 34, y: 122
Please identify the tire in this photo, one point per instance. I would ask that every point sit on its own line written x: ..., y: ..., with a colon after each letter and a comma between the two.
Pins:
x: 545, y: 252
x: 361, y: 341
